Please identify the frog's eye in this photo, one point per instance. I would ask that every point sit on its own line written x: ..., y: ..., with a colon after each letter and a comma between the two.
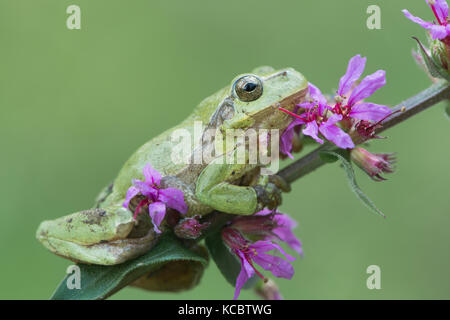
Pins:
x: 248, y: 88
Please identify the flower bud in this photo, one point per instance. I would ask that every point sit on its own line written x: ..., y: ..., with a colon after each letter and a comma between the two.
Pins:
x: 373, y: 164
x: 190, y: 228
x: 268, y: 290
x: 439, y: 51
x: 254, y: 225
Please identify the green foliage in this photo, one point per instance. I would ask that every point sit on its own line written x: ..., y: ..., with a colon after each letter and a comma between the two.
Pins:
x: 346, y: 164
x: 99, y: 282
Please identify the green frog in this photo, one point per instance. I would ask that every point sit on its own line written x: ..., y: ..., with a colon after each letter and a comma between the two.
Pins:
x: 108, y: 234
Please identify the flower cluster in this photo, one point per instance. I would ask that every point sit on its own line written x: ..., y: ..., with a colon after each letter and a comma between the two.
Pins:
x: 250, y: 238
x: 440, y: 30
x: 156, y: 198
x: 348, y: 111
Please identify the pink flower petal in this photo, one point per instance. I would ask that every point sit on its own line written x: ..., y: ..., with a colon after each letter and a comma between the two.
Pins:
x: 305, y: 105
x: 131, y: 193
x: 423, y: 24
x: 284, y: 232
x: 332, y: 120
x: 288, y: 135
x: 151, y: 175
x: 286, y: 142
x: 245, y: 274
x: 145, y: 188
x: 354, y: 71
x: 280, y: 268
x: 286, y: 235
x: 438, y: 32
x: 441, y: 8
x: 335, y: 134
x: 316, y: 94
x: 312, y: 130
x: 263, y: 212
x: 367, y: 87
x: 265, y: 246
x: 369, y: 111
x: 157, y: 211
x: 174, y: 199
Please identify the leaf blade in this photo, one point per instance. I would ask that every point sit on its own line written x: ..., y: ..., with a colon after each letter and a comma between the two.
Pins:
x: 353, y: 184
x: 99, y: 282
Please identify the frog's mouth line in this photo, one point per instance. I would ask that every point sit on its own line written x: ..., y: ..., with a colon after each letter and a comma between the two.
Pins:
x: 291, y: 101
x: 271, y: 116
x: 278, y: 74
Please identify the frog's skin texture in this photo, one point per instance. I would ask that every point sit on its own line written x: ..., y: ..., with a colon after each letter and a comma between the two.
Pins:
x: 206, y: 187
x: 95, y: 236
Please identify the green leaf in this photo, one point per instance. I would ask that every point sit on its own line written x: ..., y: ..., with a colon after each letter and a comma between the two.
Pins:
x: 99, y: 282
x: 228, y: 264
x: 328, y: 158
x: 346, y: 164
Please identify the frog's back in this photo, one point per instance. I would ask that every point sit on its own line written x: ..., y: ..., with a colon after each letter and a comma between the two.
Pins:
x: 158, y: 151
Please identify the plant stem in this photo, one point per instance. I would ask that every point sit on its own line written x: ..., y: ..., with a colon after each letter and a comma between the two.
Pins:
x: 425, y: 99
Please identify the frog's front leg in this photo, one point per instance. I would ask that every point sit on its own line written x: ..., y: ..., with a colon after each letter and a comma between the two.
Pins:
x: 214, y: 188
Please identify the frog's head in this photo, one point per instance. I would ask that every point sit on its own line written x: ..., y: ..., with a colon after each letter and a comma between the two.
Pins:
x: 255, y: 98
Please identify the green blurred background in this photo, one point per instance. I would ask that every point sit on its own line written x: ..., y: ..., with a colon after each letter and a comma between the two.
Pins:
x: 74, y: 105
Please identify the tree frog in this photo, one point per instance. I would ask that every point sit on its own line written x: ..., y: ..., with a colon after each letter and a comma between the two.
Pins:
x: 108, y: 233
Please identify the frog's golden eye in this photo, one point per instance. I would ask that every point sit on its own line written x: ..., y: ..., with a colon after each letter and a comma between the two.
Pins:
x: 248, y: 88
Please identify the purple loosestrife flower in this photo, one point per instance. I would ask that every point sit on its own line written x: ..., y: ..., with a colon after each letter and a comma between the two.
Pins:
x: 315, y: 120
x: 269, y: 225
x: 157, y: 199
x: 320, y: 117
x: 255, y: 252
x: 353, y: 107
x: 373, y: 164
x: 441, y: 30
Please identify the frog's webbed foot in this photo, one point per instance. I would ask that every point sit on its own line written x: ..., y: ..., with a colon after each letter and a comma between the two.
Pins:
x: 268, y: 191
